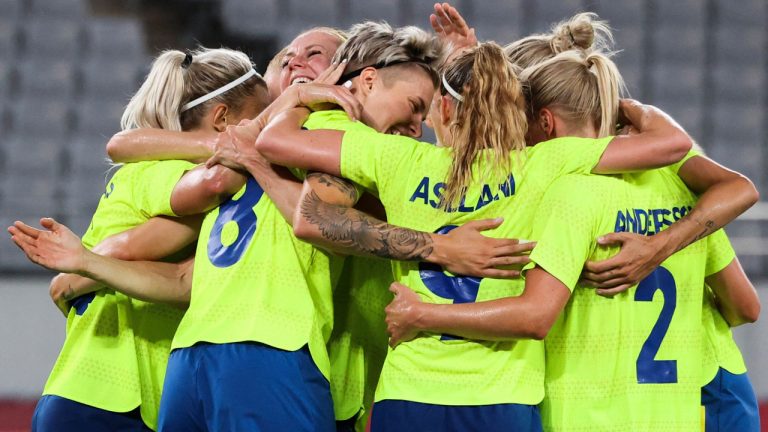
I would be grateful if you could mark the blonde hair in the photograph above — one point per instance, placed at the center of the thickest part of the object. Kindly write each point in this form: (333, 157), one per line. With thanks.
(272, 74)
(580, 86)
(333, 31)
(583, 31)
(377, 44)
(491, 116)
(174, 80)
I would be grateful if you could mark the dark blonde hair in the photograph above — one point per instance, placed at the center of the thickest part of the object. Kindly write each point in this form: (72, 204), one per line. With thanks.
(377, 44)
(580, 86)
(583, 31)
(174, 80)
(491, 116)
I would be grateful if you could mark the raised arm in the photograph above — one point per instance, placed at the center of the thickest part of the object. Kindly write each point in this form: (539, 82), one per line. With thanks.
(724, 195)
(659, 141)
(529, 316)
(57, 248)
(325, 217)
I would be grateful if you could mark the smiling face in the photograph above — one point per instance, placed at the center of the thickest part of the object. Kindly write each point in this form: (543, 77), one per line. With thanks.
(306, 57)
(395, 102)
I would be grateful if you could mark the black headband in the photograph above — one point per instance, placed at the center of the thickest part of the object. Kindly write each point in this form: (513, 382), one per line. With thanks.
(380, 65)
(187, 61)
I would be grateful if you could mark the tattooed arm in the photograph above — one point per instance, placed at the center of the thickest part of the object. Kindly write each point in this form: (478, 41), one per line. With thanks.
(325, 217)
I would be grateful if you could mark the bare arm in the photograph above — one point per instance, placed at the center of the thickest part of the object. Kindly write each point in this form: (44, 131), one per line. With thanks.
(136, 145)
(725, 194)
(57, 248)
(660, 141)
(735, 295)
(325, 217)
(529, 316)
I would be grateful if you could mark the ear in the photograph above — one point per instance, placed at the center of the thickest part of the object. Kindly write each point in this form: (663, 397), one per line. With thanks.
(547, 121)
(219, 117)
(366, 80)
(446, 109)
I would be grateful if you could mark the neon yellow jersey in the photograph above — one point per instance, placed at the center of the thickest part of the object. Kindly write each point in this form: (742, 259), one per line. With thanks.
(720, 350)
(408, 177)
(632, 362)
(358, 343)
(100, 364)
(255, 281)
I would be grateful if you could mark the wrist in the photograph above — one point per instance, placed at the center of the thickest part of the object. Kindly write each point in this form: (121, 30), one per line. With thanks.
(438, 255)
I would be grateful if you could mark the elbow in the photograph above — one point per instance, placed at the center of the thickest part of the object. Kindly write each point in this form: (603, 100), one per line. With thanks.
(752, 195)
(539, 332)
(752, 313)
(302, 229)
(115, 144)
(217, 181)
(679, 145)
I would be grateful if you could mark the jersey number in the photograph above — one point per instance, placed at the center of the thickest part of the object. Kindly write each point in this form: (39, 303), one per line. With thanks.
(460, 289)
(650, 371)
(241, 212)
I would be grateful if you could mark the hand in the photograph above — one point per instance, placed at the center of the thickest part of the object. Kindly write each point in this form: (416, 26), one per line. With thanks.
(451, 28)
(333, 74)
(61, 293)
(55, 248)
(235, 146)
(467, 252)
(402, 314)
(317, 96)
(638, 257)
(631, 113)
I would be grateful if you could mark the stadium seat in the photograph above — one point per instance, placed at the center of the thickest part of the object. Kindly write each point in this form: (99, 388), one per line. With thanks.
(87, 155)
(752, 13)
(735, 44)
(492, 16)
(64, 9)
(27, 193)
(12, 9)
(47, 79)
(739, 83)
(251, 18)
(40, 117)
(375, 10)
(52, 39)
(31, 154)
(679, 44)
(9, 40)
(99, 119)
(621, 14)
(321, 13)
(120, 39)
(12, 259)
(6, 76)
(110, 79)
(687, 13)
(548, 12)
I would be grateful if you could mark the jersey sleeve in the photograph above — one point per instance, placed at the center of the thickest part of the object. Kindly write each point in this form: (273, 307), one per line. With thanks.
(372, 159)
(720, 253)
(565, 229)
(676, 166)
(575, 155)
(153, 193)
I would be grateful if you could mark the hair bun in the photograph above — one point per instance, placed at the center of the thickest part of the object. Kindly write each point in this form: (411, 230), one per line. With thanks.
(583, 31)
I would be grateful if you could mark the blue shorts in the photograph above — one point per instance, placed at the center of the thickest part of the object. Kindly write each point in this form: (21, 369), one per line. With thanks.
(400, 416)
(244, 386)
(730, 404)
(57, 414)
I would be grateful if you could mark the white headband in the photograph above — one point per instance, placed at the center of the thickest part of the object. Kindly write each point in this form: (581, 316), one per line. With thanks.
(219, 90)
(450, 90)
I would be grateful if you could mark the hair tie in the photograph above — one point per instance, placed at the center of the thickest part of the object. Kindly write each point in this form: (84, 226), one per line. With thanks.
(570, 34)
(450, 89)
(187, 61)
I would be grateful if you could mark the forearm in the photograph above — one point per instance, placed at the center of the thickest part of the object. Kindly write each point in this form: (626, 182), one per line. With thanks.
(346, 230)
(136, 145)
(736, 297)
(68, 286)
(144, 280)
(503, 319)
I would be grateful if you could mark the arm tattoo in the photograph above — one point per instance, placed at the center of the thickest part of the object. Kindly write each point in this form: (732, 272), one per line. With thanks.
(356, 232)
(330, 181)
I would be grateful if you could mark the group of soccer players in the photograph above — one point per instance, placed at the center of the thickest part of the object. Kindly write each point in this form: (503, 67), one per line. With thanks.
(502, 316)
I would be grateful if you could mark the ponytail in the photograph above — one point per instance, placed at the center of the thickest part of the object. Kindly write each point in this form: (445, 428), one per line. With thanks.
(177, 78)
(158, 101)
(491, 116)
(581, 87)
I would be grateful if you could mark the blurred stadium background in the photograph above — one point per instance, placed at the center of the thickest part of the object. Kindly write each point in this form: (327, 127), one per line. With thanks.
(67, 68)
